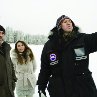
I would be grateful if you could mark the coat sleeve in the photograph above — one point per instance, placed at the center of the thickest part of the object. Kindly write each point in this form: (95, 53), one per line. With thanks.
(34, 65)
(14, 63)
(13, 71)
(44, 70)
(91, 42)
(13, 76)
(2, 70)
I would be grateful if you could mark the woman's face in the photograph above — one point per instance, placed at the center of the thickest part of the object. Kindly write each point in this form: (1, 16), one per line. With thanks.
(20, 47)
(66, 25)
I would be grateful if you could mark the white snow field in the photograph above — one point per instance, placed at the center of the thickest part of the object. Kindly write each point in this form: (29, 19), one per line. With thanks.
(37, 49)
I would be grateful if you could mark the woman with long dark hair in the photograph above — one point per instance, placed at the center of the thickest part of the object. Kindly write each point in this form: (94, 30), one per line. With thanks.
(25, 66)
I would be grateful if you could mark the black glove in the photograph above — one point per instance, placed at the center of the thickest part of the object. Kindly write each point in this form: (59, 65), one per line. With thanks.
(42, 93)
(41, 90)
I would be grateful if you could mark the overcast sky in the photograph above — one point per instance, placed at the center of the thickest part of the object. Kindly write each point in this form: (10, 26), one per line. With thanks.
(39, 16)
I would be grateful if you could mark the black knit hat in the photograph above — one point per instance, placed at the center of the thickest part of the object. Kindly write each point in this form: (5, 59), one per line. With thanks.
(2, 29)
(60, 19)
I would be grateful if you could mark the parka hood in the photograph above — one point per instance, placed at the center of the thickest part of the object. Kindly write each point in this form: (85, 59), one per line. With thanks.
(58, 34)
(14, 54)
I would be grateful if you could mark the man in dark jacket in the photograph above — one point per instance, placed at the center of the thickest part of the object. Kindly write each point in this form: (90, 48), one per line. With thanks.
(7, 74)
(65, 62)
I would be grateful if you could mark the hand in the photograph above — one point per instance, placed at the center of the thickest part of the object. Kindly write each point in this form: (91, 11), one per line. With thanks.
(42, 93)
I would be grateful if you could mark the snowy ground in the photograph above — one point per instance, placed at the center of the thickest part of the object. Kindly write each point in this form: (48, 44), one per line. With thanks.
(37, 49)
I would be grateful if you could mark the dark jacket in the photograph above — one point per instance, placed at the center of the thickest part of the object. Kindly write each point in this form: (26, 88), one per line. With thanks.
(7, 74)
(65, 66)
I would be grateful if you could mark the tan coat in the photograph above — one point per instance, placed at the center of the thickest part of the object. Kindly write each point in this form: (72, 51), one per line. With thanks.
(24, 72)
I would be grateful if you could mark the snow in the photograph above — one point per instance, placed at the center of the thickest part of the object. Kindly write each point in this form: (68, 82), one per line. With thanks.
(37, 49)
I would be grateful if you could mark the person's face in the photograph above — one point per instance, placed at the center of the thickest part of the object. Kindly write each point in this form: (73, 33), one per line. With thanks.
(66, 25)
(2, 36)
(20, 47)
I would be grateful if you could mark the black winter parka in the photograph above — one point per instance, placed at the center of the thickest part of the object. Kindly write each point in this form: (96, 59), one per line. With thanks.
(65, 66)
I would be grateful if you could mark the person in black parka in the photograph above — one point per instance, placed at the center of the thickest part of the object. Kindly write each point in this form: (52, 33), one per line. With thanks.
(65, 62)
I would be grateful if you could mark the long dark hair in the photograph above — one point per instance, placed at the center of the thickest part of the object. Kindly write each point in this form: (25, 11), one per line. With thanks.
(24, 54)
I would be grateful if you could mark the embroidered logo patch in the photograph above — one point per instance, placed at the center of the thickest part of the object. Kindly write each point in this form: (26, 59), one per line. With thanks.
(52, 57)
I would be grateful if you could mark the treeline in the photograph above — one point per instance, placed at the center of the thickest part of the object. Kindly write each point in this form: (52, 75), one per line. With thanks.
(12, 36)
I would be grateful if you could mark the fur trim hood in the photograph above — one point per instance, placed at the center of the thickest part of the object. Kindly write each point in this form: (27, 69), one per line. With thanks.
(14, 54)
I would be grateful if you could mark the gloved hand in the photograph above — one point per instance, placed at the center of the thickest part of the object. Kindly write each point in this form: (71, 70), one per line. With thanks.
(41, 91)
